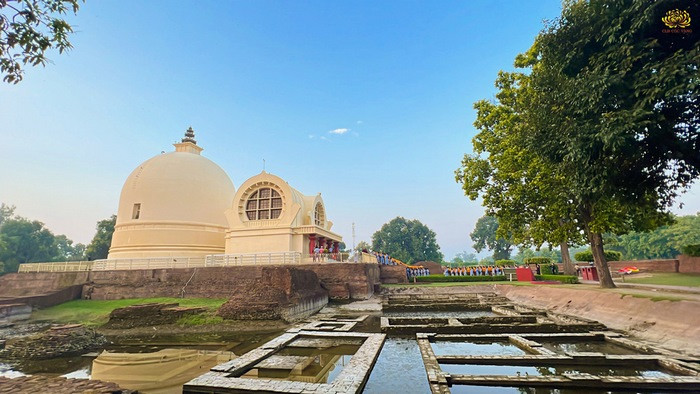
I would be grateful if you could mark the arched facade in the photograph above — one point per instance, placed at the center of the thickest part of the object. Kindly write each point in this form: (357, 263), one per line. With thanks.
(268, 215)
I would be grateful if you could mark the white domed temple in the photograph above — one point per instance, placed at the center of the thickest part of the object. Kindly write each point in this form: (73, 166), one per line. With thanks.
(182, 205)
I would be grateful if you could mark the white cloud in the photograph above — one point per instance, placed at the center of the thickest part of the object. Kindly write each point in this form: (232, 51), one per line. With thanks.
(360, 122)
(311, 136)
(339, 131)
(323, 137)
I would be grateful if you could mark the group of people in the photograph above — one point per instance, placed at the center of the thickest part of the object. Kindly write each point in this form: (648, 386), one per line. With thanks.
(474, 271)
(385, 259)
(413, 272)
(321, 253)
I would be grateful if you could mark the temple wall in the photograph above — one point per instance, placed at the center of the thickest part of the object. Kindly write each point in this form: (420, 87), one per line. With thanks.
(342, 280)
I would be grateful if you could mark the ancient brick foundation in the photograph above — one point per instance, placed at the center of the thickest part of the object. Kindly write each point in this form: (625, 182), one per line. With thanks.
(283, 293)
(688, 264)
(342, 280)
(393, 274)
(433, 267)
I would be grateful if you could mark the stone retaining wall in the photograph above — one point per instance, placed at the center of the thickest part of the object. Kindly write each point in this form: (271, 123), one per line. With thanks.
(13, 312)
(33, 283)
(51, 298)
(392, 274)
(688, 264)
(661, 265)
(342, 280)
(682, 263)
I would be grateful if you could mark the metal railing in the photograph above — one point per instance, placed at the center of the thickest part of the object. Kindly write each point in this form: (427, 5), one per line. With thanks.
(329, 258)
(276, 258)
(59, 266)
(216, 260)
(145, 263)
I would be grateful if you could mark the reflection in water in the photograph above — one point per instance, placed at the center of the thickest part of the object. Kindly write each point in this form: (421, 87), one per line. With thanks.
(399, 369)
(164, 371)
(476, 348)
(304, 364)
(7, 371)
(473, 369)
(597, 347)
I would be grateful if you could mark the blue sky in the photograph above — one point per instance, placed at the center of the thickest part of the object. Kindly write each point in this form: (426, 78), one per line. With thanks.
(268, 80)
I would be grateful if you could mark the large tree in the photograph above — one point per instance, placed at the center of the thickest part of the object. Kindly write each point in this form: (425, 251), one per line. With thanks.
(99, 246)
(407, 240)
(485, 235)
(610, 107)
(29, 28)
(25, 241)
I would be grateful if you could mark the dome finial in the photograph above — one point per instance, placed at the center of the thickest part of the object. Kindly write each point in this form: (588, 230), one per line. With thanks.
(189, 136)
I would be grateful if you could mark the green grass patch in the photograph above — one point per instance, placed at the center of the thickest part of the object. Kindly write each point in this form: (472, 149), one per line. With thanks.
(200, 319)
(654, 298)
(571, 279)
(667, 279)
(96, 312)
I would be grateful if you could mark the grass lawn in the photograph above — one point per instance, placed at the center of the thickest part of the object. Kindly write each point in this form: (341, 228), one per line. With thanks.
(663, 278)
(95, 312)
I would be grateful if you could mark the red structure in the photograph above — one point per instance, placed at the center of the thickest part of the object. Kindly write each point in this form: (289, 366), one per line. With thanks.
(524, 274)
(589, 273)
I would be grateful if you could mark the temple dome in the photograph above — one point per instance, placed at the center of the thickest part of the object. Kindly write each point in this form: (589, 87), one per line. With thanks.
(173, 205)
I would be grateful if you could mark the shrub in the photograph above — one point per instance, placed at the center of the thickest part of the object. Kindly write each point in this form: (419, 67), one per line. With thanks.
(561, 278)
(691, 250)
(443, 278)
(587, 255)
(503, 263)
(537, 260)
(549, 269)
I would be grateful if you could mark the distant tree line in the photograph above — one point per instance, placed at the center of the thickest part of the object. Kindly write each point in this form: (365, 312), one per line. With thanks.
(664, 242)
(25, 241)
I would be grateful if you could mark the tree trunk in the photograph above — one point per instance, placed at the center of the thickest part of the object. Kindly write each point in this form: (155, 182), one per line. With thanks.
(569, 268)
(601, 264)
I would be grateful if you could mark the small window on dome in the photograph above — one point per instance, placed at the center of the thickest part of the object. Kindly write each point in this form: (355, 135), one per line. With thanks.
(137, 211)
(265, 203)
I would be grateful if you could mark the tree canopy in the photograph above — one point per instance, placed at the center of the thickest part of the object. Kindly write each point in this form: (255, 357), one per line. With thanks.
(407, 240)
(464, 259)
(29, 28)
(665, 242)
(99, 246)
(485, 235)
(599, 135)
(26, 241)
